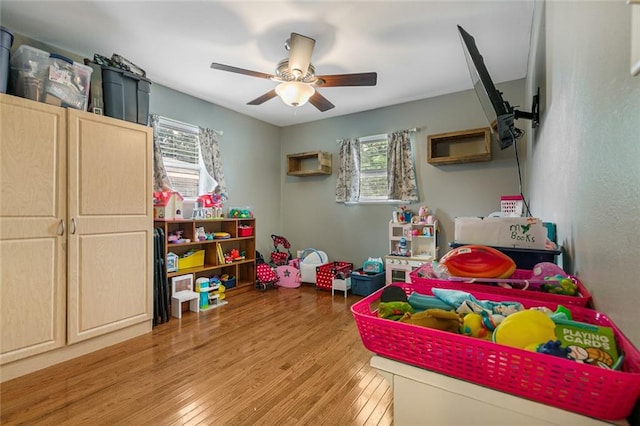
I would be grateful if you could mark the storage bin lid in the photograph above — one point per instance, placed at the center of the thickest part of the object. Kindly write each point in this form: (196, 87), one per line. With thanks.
(24, 53)
(109, 76)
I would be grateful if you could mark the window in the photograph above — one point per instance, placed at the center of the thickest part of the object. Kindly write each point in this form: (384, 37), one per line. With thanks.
(377, 169)
(374, 183)
(180, 146)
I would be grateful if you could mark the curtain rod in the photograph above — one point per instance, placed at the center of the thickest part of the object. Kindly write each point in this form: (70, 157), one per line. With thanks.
(414, 129)
(182, 123)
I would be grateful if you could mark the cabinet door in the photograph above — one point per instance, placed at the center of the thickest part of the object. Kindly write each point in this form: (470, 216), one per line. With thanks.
(32, 235)
(110, 272)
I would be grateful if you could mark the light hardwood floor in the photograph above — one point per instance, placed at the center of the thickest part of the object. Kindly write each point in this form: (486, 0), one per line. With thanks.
(279, 357)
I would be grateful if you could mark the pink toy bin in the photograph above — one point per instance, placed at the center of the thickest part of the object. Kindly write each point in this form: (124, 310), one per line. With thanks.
(566, 384)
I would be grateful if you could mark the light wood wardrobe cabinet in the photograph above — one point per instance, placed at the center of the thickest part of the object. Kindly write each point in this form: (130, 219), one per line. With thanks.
(76, 224)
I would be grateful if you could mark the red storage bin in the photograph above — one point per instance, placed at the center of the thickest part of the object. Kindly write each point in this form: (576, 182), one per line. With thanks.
(245, 231)
(522, 277)
(566, 384)
(325, 273)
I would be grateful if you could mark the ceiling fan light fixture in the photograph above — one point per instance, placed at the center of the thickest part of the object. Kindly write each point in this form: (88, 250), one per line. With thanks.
(294, 93)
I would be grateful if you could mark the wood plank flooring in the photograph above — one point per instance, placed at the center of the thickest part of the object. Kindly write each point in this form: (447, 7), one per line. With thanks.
(283, 356)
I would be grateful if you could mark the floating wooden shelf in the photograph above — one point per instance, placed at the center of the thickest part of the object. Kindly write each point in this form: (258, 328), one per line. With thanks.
(464, 146)
(311, 163)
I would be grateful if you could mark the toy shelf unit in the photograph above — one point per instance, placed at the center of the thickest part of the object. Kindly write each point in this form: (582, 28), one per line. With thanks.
(410, 246)
(228, 250)
(420, 239)
(464, 146)
(312, 163)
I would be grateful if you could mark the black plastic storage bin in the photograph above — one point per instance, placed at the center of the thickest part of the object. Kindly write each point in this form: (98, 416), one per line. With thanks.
(126, 95)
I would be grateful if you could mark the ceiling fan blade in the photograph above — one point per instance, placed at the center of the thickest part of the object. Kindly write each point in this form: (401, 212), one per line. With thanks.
(320, 102)
(358, 79)
(300, 50)
(237, 70)
(264, 98)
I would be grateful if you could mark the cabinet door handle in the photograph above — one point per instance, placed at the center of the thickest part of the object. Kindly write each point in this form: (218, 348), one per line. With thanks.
(61, 227)
(73, 226)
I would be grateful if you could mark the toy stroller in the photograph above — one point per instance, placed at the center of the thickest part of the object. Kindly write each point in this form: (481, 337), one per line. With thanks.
(279, 258)
(277, 273)
(265, 277)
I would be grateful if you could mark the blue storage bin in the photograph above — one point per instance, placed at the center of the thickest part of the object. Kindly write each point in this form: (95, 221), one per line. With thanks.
(230, 283)
(363, 284)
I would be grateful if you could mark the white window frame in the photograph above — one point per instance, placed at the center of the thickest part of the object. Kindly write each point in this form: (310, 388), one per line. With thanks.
(185, 170)
(380, 199)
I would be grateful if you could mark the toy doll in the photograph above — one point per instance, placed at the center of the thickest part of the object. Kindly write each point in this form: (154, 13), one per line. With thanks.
(218, 200)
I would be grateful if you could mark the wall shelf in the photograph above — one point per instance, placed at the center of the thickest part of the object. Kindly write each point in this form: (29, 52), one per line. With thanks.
(312, 163)
(464, 146)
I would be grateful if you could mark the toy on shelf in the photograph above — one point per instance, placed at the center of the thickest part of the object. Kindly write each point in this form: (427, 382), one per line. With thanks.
(168, 205)
(402, 248)
(405, 214)
(240, 213)
(233, 256)
(201, 235)
(218, 198)
(198, 210)
(423, 213)
(176, 237)
(172, 262)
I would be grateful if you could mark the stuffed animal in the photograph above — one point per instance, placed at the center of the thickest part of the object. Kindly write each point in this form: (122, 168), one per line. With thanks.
(435, 318)
(393, 310)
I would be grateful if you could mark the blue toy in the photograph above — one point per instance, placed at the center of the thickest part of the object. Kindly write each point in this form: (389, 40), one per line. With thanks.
(553, 347)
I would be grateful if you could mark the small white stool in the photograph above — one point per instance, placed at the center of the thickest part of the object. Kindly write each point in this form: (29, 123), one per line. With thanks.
(341, 284)
(184, 296)
(182, 291)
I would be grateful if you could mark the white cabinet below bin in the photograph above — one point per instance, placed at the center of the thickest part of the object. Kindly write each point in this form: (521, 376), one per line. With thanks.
(420, 394)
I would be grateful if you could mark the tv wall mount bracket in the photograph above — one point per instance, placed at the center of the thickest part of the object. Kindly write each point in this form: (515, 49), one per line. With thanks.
(534, 115)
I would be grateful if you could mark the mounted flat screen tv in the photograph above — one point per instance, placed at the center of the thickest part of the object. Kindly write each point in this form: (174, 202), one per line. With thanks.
(500, 114)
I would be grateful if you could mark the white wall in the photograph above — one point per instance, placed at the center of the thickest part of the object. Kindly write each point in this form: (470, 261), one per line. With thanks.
(584, 167)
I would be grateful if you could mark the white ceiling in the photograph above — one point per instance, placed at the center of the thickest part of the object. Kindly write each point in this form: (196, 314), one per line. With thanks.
(413, 46)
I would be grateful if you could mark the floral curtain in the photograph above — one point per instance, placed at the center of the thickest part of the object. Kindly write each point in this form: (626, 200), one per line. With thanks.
(210, 154)
(402, 174)
(160, 178)
(348, 183)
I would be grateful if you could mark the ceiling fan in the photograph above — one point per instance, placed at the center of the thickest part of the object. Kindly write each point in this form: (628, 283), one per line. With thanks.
(296, 75)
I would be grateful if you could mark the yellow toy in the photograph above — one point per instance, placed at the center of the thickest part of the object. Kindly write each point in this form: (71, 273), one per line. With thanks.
(473, 326)
(525, 330)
